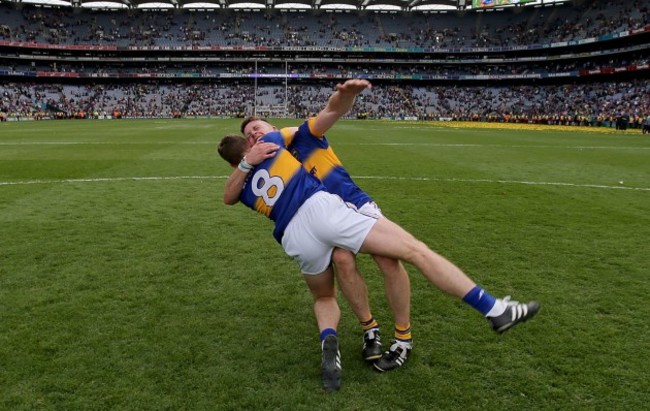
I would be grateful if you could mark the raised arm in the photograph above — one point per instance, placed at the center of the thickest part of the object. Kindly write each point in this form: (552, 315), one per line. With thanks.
(338, 104)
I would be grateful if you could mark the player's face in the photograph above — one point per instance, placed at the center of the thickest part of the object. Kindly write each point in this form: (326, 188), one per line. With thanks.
(256, 129)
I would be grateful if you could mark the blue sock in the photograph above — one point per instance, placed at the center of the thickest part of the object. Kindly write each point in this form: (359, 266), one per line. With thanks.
(326, 332)
(480, 300)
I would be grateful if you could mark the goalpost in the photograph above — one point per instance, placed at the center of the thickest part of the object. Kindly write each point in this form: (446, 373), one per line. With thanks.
(273, 110)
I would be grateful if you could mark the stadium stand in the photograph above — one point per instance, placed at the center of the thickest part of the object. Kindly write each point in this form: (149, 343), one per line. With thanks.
(582, 63)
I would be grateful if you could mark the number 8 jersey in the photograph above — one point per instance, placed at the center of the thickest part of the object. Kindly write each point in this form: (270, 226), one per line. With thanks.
(278, 186)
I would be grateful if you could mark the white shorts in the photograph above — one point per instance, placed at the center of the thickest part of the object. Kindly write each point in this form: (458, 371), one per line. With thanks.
(323, 222)
(372, 209)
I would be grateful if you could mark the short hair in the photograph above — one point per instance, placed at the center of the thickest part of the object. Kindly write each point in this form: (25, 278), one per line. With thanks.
(251, 119)
(232, 149)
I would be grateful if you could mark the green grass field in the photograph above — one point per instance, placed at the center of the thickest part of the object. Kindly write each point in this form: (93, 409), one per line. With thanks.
(126, 284)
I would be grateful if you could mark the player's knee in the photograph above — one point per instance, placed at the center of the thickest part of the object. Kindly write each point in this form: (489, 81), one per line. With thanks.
(344, 260)
(388, 266)
(323, 292)
(417, 252)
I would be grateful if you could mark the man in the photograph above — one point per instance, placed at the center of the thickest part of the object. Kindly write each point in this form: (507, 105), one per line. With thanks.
(310, 223)
(308, 144)
(321, 286)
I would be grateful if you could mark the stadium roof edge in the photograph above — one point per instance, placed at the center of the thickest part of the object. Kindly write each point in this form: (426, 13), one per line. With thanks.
(370, 5)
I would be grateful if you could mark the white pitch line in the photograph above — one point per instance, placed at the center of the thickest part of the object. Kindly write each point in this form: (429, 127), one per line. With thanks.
(101, 143)
(531, 183)
(497, 146)
(392, 178)
(450, 145)
(105, 180)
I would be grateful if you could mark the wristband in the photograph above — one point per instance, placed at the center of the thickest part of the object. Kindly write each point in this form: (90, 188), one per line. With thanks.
(244, 166)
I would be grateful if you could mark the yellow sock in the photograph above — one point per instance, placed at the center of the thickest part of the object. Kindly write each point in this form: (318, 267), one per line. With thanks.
(369, 325)
(403, 333)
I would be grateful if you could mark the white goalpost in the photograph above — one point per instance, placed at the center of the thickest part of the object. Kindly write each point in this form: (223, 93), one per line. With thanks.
(279, 110)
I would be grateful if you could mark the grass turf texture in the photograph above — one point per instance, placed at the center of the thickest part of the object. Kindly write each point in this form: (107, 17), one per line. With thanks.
(126, 284)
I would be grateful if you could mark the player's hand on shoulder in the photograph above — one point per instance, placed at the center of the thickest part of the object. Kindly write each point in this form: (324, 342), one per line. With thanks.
(260, 152)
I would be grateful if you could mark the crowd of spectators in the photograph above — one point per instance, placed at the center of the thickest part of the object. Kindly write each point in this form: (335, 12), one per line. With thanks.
(225, 88)
(579, 104)
(271, 28)
(590, 19)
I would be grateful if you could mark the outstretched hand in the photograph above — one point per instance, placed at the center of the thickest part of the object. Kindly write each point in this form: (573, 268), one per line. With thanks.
(353, 86)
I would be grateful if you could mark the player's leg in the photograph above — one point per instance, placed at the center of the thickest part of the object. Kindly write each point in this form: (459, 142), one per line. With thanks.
(390, 240)
(398, 292)
(323, 291)
(328, 315)
(351, 283)
(355, 291)
(380, 236)
(398, 288)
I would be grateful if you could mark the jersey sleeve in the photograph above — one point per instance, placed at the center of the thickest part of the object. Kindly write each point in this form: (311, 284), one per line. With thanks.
(310, 122)
(287, 135)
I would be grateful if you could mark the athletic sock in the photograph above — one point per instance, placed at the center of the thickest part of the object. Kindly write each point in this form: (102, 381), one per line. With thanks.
(403, 335)
(498, 309)
(326, 332)
(481, 300)
(369, 325)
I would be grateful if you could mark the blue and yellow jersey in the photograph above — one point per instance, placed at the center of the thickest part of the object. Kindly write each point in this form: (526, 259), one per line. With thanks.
(318, 158)
(278, 186)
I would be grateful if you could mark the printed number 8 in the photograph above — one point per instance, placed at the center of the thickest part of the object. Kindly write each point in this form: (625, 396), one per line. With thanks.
(266, 190)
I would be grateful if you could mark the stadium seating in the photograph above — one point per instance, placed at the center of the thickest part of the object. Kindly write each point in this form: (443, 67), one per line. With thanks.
(531, 64)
